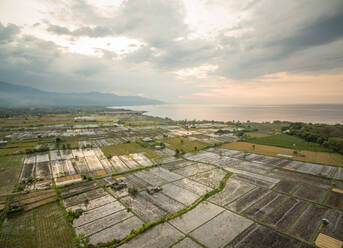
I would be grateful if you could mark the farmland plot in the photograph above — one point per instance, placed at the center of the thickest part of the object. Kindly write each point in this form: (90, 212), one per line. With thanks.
(265, 206)
(66, 154)
(328, 171)
(210, 178)
(29, 167)
(129, 162)
(261, 237)
(103, 223)
(137, 182)
(10, 169)
(141, 159)
(247, 200)
(57, 168)
(339, 173)
(160, 236)
(42, 227)
(308, 223)
(84, 198)
(162, 201)
(311, 193)
(233, 189)
(286, 186)
(117, 232)
(313, 169)
(55, 155)
(80, 165)
(286, 214)
(43, 170)
(143, 208)
(182, 195)
(42, 157)
(252, 178)
(171, 166)
(99, 153)
(150, 177)
(335, 199)
(335, 226)
(94, 163)
(68, 168)
(89, 204)
(88, 152)
(228, 162)
(118, 164)
(77, 153)
(165, 174)
(250, 167)
(107, 165)
(224, 228)
(192, 186)
(196, 217)
(187, 242)
(193, 169)
(97, 213)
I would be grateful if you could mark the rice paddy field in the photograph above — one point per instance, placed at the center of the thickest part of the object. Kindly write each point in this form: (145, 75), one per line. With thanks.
(288, 141)
(125, 149)
(183, 144)
(107, 188)
(10, 169)
(326, 158)
(43, 227)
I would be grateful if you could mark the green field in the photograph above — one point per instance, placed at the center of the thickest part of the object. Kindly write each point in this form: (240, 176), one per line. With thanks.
(288, 141)
(125, 149)
(10, 168)
(42, 227)
(184, 144)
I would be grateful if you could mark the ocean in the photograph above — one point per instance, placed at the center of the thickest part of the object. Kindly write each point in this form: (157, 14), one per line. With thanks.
(315, 113)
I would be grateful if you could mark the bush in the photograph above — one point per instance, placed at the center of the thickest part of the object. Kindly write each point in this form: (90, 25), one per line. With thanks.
(133, 191)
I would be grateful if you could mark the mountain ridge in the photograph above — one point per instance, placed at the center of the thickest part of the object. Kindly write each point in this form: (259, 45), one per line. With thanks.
(13, 95)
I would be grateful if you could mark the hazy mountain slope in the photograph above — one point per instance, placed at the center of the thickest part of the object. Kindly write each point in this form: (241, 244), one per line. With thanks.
(12, 95)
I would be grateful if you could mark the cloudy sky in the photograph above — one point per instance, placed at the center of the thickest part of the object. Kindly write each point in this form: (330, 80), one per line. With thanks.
(190, 51)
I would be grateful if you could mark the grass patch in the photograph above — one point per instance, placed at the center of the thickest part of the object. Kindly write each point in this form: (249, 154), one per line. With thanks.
(10, 168)
(288, 141)
(255, 134)
(18, 147)
(183, 144)
(325, 158)
(125, 149)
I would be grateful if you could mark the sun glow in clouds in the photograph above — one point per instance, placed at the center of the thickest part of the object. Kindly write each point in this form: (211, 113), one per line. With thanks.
(94, 46)
(199, 72)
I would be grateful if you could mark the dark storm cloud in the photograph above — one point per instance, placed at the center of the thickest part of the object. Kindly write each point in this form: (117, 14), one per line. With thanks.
(288, 42)
(324, 30)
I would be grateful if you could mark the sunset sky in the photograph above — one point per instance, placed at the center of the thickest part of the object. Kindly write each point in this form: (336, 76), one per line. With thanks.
(190, 51)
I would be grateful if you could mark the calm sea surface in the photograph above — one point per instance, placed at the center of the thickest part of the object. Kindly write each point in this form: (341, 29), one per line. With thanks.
(332, 113)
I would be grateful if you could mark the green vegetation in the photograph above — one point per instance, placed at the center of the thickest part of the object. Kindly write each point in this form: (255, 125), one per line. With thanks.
(329, 136)
(133, 191)
(41, 227)
(184, 145)
(288, 141)
(125, 149)
(10, 168)
(73, 215)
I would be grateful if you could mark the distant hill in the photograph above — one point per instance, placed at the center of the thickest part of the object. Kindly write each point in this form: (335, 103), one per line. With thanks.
(12, 95)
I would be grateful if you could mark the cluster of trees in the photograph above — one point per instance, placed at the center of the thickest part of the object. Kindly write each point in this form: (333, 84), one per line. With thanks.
(330, 136)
